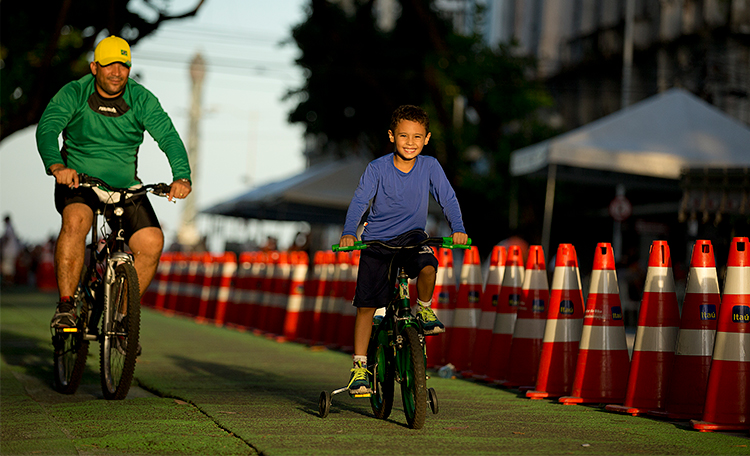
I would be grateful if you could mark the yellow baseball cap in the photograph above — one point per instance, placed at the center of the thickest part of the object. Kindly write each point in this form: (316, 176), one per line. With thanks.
(112, 49)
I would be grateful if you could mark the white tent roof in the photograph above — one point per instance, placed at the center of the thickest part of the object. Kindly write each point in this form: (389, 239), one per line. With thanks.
(656, 137)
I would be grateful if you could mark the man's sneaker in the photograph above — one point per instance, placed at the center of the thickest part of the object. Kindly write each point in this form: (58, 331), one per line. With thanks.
(65, 315)
(430, 322)
(358, 382)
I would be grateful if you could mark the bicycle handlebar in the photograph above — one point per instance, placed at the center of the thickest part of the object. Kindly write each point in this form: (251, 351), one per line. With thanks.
(161, 189)
(443, 242)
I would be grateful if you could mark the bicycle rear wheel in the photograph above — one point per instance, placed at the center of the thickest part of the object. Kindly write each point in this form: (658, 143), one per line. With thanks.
(119, 345)
(71, 349)
(382, 382)
(410, 362)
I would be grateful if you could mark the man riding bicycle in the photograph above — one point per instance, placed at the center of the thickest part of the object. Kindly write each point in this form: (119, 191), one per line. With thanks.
(102, 117)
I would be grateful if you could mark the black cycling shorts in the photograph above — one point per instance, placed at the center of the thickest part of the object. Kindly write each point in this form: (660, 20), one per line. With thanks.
(373, 284)
(138, 210)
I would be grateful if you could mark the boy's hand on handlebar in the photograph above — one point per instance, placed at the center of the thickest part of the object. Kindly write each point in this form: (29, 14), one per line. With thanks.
(347, 240)
(179, 189)
(460, 238)
(64, 175)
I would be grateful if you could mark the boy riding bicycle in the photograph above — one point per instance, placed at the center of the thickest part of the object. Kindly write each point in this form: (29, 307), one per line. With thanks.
(399, 186)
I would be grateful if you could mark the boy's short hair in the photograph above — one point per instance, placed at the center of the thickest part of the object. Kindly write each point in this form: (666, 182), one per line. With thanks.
(410, 112)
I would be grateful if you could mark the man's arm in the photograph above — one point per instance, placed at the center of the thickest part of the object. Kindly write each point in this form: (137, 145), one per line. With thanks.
(55, 118)
(160, 127)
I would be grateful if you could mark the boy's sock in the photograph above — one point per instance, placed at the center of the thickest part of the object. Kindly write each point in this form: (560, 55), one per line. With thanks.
(423, 303)
(359, 361)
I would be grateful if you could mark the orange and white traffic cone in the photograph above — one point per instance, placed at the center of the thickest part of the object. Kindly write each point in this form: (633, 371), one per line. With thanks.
(311, 289)
(267, 295)
(328, 263)
(280, 295)
(241, 292)
(658, 324)
(466, 314)
(562, 331)
(528, 335)
(348, 313)
(695, 340)
(227, 269)
(443, 303)
(295, 296)
(603, 359)
(255, 290)
(334, 305)
(488, 303)
(505, 319)
(727, 406)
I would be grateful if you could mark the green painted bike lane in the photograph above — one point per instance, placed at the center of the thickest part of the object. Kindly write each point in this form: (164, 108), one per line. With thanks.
(208, 390)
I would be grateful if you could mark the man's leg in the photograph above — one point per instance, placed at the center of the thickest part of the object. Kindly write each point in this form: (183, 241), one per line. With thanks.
(71, 246)
(146, 245)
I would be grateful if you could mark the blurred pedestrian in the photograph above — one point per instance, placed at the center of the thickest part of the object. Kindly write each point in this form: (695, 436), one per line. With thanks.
(11, 247)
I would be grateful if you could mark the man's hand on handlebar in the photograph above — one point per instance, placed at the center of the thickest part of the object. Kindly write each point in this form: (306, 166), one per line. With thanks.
(460, 238)
(347, 241)
(179, 189)
(64, 175)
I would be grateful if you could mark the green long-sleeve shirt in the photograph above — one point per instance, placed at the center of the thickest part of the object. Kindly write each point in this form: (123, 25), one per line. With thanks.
(101, 135)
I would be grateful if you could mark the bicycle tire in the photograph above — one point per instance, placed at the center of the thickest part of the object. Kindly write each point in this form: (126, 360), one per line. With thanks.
(413, 380)
(119, 344)
(382, 382)
(71, 349)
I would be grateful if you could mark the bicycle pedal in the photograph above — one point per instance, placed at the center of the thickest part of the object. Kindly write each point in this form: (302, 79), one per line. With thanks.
(361, 395)
(69, 330)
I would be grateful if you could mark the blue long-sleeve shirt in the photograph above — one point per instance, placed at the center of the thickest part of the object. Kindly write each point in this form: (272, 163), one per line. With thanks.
(400, 200)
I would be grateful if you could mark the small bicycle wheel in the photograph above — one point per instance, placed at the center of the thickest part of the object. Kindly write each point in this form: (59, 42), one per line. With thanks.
(433, 400)
(119, 345)
(410, 362)
(324, 404)
(382, 382)
(71, 349)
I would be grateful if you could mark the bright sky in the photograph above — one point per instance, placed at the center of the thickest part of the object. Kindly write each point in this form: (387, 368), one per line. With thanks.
(245, 140)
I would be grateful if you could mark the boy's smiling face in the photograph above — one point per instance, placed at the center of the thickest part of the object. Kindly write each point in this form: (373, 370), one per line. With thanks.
(410, 137)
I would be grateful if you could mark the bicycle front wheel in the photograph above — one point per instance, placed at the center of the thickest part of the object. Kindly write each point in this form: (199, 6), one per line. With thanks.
(71, 349)
(410, 362)
(119, 345)
(382, 380)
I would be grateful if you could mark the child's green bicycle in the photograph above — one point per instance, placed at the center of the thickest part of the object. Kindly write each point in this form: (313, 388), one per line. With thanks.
(397, 348)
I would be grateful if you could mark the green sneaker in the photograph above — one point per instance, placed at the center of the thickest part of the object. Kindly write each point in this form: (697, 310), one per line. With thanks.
(430, 322)
(358, 382)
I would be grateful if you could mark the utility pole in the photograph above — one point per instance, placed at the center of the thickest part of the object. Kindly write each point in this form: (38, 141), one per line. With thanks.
(188, 235)
(627, 54)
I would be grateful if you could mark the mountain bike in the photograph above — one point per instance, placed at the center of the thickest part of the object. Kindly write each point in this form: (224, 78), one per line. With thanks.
(107, 290)
(396, 353)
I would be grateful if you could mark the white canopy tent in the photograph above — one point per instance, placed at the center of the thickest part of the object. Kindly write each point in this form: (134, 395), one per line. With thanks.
(657, 137)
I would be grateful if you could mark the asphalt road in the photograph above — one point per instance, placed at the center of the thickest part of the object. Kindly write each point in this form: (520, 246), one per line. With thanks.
(203, 390)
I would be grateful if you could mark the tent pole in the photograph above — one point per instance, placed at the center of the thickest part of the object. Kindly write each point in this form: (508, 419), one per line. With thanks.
(548, 204)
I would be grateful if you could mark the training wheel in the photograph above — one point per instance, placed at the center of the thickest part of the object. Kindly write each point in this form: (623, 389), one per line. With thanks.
(324, 404)
(432, 400)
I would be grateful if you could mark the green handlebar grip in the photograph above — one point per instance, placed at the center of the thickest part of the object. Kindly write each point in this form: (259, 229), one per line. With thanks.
(448, 244)
(358, 245)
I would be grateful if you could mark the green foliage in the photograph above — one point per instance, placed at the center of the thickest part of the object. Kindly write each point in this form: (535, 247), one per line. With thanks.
(43, 48)
(357, 74)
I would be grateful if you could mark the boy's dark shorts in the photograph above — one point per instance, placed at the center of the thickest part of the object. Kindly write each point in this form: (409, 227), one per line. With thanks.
(373, 285)
(138, 210)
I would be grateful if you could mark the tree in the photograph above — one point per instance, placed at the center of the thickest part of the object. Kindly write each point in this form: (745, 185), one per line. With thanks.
(43, 48)
(481, 103)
